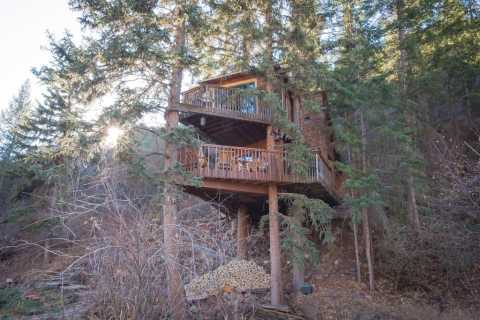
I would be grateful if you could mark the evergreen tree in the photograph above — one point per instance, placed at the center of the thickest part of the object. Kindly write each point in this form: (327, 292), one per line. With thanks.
(54, 128)
(13, 136)
(230, 43)
(139, 56)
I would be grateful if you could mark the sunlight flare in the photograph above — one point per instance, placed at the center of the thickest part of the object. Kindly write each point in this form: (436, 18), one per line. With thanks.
(112, 136)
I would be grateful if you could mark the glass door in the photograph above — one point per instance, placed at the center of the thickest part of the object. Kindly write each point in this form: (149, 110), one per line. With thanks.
(248, 102)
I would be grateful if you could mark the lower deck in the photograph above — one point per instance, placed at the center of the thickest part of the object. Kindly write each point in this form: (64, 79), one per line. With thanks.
(255, 165)
(249, 171)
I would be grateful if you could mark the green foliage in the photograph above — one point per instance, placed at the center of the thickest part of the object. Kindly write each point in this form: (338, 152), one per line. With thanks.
(13, 303)
(304, 215)
(14, 140)
(19, 215)
(298, 152)
(182, 136)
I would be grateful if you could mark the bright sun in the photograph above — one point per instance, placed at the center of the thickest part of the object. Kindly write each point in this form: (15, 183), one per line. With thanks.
(113, 135)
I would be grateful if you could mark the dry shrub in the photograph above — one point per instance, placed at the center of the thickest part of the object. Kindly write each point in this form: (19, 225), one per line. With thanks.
(406, 311)
(128, 264)
(437, 259)
(107, 225)
(444, 257)
(118, 223)
(422, 312)
(129, 273)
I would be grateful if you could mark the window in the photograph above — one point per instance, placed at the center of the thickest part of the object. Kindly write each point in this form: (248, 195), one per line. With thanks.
(248, 102)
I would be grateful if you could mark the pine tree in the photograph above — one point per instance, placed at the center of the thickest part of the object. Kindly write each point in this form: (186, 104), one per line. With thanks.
(13, 137)
(54, 127)
(357, 109)
(230, 43)
(139, 57)
(176, 294)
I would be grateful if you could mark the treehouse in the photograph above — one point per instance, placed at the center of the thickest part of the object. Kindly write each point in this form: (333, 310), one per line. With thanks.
(244, 152)
(245, 161)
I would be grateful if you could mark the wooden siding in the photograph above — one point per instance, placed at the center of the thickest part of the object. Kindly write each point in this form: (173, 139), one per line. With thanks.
(253, 164)
(317, 130)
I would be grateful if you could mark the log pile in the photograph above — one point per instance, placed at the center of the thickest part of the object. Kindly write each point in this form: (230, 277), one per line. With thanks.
(239, 275)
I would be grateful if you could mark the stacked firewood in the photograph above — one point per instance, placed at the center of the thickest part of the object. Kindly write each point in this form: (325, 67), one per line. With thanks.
(238, 275)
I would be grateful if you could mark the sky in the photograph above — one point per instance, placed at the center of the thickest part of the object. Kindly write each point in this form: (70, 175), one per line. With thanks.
(23, 33)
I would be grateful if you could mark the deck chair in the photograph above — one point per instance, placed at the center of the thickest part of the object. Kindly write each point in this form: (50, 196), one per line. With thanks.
(225, 160)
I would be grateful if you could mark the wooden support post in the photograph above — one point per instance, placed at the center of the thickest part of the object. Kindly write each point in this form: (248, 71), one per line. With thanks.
(242, 232)
(275, 263)
(274, 228)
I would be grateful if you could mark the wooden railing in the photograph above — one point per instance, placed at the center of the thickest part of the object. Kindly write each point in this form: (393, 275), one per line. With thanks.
(229, 102)
(238, 163)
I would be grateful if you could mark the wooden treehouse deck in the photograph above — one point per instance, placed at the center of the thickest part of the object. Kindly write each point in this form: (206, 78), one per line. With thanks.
(224, 102)
(254, 165)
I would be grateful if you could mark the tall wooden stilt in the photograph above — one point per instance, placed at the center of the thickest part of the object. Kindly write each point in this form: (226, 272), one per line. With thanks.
(274, 228)
(275, 264)
(242, 232)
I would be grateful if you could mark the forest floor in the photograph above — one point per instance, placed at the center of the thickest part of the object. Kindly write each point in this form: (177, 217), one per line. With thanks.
(338, 296)
(30, 289)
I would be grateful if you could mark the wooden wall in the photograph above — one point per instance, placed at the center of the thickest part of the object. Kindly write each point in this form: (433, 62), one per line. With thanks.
(317, 130)
(262, 144)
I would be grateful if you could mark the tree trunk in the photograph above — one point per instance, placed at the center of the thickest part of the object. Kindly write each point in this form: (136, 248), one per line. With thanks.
(412, 204)
(412, 208)
(365, 220)
(358, 269)
(176, 293)
(298, 262)
(274, 225)
(348, 24)
(269, 41)
(246, 38)
(46, 253)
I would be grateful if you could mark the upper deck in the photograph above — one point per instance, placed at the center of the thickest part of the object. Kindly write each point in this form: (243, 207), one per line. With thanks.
(224, 102)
